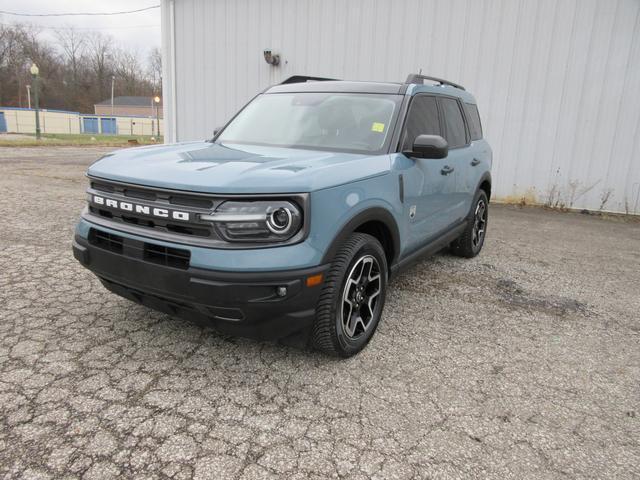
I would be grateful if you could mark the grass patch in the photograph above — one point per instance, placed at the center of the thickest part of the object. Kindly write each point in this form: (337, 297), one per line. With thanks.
(53, 139)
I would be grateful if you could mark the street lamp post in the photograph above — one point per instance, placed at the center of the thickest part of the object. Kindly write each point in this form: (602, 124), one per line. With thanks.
(113, 84)
(156, 100)
(34, 76)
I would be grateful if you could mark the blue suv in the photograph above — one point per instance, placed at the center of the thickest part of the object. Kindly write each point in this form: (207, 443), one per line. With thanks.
(289, 223)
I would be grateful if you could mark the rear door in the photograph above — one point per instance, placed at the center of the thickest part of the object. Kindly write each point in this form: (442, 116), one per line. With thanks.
(459, 159)
(427, 186)
(479, 149)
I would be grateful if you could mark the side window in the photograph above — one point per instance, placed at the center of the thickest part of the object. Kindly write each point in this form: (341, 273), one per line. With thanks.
(421, 120)
(454, 132)
(473, 117)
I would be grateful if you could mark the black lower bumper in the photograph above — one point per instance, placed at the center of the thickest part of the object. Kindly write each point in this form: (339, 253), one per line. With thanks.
(244, 304)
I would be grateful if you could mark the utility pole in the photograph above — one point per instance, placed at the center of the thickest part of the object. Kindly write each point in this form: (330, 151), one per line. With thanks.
(34, 75)
(113, 83)
(29, 96)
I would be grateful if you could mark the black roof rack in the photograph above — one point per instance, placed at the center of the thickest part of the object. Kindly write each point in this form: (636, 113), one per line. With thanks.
(304, 78)
(419, 79)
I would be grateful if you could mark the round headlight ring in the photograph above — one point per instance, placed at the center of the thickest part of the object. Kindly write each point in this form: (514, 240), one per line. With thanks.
(275, 221)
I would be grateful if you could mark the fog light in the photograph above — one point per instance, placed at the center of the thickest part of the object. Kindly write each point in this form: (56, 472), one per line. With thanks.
(281, 291)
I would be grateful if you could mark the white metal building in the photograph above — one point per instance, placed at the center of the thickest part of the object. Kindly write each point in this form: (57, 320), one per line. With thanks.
(557, 81)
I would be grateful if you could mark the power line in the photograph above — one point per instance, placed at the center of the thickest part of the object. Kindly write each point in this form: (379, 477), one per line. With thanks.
(117, 27)
(19, 14)
(103, 28)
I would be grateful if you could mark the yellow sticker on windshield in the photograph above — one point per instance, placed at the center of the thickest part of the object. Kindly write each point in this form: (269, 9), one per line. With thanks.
(377, 127)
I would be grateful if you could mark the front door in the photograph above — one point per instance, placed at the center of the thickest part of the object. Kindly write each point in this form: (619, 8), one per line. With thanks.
(428, 183)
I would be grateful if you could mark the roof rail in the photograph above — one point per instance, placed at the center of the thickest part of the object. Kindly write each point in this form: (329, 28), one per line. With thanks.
(304, 78)
(419, 79)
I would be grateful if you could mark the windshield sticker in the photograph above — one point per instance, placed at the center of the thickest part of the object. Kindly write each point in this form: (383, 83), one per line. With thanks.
(377, 127)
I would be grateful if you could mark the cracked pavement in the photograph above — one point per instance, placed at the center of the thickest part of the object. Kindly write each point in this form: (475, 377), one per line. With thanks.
(521, 363)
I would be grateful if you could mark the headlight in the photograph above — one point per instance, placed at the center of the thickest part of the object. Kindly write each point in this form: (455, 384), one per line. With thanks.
(256, 221)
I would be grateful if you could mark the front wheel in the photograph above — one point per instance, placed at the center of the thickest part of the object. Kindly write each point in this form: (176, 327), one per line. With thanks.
(471, 241)
(352, 298)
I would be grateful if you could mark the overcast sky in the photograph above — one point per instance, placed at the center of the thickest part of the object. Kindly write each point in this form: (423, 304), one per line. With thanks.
(140, 31)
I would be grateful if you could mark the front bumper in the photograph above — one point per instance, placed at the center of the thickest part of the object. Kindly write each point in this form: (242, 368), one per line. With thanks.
(236, 303)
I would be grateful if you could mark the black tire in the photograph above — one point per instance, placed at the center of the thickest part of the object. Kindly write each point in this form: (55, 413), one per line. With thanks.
(471, 241)
(329, 334)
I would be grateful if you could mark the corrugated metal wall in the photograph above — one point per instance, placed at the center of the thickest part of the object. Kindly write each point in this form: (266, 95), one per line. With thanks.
(557, 81)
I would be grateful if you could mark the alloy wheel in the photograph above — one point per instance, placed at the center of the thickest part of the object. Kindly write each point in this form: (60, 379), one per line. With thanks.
(479, 224)
(360, 296)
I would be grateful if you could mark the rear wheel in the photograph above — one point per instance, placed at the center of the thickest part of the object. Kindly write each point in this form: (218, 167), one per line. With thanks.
(352, 298)
(471, 241)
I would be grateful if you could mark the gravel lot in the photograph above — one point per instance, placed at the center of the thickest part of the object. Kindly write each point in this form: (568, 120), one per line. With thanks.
(521, 363)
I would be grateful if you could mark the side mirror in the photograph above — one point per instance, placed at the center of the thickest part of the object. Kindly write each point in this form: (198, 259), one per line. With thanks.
(216, 131)
(429, 146)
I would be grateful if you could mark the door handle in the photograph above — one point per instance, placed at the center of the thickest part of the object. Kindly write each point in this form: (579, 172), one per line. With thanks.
(446, 170)
(475, 162)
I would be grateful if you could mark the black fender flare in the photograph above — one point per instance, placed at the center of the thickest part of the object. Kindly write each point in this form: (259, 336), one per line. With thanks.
(379, 214)
(486, 177)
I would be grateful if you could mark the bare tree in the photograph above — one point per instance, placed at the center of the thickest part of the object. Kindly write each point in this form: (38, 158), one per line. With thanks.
(73, 44)
(100, 55)
(129, 72)
(155, 69)
(11, 59)
(75, 70)
(45, 56)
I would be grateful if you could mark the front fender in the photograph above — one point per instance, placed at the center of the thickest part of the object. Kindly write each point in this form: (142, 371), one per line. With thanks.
(373, 213)
(336, 212)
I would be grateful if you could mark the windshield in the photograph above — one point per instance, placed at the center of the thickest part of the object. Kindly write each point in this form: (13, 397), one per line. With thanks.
(325, 121)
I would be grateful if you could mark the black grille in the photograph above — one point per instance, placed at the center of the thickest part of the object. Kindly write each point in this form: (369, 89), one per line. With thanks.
(103, 187)
(106, 241)
(141, 194)
(195, 204)
(189, 230)
(136, 220)
(167, 256)
(153, 195)
(149, 252)
(102, 213)
(191, 201)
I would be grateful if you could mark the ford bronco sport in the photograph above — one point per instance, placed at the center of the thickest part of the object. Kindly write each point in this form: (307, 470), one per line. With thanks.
(290, 221)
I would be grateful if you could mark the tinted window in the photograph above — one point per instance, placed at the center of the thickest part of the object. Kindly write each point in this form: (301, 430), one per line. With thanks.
(422, 120)
(473, 117)
(454, 124)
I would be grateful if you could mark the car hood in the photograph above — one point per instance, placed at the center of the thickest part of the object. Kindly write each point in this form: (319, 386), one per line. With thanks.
(216, 168)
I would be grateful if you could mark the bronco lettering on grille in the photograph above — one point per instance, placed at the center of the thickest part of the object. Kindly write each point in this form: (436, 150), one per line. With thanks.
(141, 209)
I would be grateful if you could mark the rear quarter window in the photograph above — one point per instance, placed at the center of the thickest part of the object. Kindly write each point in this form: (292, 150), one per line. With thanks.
(473, 118)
